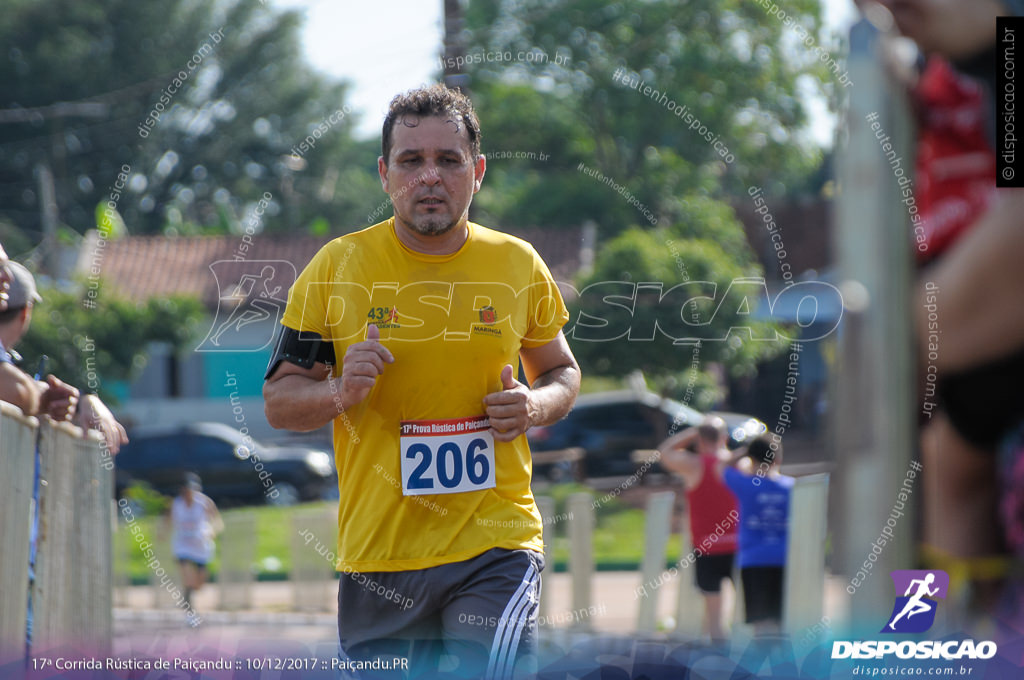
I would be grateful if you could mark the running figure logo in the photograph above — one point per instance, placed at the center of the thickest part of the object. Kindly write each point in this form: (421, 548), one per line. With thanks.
(914, 611)
(251, 298)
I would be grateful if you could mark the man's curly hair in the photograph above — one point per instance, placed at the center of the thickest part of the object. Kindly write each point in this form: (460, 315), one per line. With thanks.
(435, 100)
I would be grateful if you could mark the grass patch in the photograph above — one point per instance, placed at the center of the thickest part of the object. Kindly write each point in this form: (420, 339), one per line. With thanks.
(618, 536)
(272, 538)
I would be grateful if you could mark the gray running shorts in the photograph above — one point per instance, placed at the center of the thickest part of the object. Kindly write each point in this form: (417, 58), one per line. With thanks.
(474, 619)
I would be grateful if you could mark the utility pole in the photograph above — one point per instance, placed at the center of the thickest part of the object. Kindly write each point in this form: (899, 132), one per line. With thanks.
(874, 384)
(453, 47)
(49, 213)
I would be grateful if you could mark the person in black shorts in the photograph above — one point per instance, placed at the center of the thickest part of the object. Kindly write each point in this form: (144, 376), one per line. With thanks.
(763, 494)
(712, 510)
(195, 522)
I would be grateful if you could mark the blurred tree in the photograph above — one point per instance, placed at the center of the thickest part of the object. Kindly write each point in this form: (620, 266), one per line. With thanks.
(655, 168)
(105, 343)
(82, 78)
(694, 289)
(741, 73)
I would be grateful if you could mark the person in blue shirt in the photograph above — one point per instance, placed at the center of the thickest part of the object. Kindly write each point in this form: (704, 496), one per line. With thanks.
(763, 495)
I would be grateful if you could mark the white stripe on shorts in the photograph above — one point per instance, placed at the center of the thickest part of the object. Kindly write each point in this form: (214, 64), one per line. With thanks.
(506, 636)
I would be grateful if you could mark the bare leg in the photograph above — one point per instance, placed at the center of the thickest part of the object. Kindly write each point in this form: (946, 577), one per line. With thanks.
(188, 580)
(200, 578)
(961, 493)
(713, 616)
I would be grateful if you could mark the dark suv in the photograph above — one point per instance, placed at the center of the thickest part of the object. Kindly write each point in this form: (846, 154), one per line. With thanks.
(610, 426)
(233, 468)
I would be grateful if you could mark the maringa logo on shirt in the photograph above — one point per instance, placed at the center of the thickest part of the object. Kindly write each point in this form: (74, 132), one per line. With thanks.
(387, 317)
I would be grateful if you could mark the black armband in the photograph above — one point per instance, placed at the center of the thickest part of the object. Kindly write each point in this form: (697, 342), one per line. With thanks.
(302, 348)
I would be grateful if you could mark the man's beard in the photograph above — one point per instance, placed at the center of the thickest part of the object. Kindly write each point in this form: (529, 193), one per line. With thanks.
(431, 226)
(428, 225)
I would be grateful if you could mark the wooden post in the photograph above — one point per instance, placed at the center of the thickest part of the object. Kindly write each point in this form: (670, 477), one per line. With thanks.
(873, 423)
(17, 460)
(656, 533)
(689, 606)
(122, 558)
(804, 593)
(312, 575)
(237, 550)
(546, 507)
(71, 594)
(164, 567)
(581, 555)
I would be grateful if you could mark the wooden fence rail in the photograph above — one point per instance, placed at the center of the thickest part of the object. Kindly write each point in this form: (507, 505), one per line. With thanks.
(72, 590)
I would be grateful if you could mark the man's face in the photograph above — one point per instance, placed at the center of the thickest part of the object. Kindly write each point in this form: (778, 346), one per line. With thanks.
(23, 322)
(431, 175)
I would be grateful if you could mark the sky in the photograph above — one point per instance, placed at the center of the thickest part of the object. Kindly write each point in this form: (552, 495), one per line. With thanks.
(349, 45)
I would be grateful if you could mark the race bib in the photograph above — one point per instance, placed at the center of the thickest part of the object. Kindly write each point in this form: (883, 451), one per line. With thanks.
(446, 456)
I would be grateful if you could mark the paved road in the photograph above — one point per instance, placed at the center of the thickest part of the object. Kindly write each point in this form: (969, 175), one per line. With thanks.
(613, 611)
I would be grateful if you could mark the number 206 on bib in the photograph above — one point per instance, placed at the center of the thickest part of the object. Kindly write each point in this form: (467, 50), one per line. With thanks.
(446, 456)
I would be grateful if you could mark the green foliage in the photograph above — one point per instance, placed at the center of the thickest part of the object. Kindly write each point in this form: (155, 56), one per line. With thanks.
(560, 494)
(713, 298)
(592, 383)
(105, 343)
(739, 71)
(223, 138)
(697, 387)
(150, 502)
(618, 536)
(272, 539)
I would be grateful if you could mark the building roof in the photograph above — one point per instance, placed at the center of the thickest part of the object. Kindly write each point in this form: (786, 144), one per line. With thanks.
(805, 229)
(144, 267)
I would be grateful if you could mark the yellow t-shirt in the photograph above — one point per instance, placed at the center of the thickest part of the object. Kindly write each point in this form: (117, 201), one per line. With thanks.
(452, 322)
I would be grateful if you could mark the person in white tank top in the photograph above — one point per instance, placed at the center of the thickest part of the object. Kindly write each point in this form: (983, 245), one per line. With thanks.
(195, 521)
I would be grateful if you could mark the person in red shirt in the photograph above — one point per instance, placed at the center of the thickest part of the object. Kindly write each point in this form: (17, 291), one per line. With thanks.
(969, 332)
(712, 509)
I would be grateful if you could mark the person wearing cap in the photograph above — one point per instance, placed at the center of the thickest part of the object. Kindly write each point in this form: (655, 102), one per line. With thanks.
(52, 397)
(196, 522)
(5, 279)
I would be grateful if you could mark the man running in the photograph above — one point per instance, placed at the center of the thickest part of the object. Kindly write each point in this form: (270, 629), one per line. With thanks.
(405, 335)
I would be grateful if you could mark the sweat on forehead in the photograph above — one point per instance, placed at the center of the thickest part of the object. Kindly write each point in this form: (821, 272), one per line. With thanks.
(434, 101)
(412, 120)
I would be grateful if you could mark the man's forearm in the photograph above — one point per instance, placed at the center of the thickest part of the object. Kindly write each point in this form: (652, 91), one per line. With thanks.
(680, 440)
(19, 389)
(553, 394)
(302, 404)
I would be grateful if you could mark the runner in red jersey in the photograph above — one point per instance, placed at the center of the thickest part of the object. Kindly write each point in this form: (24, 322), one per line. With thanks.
(712, 509)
